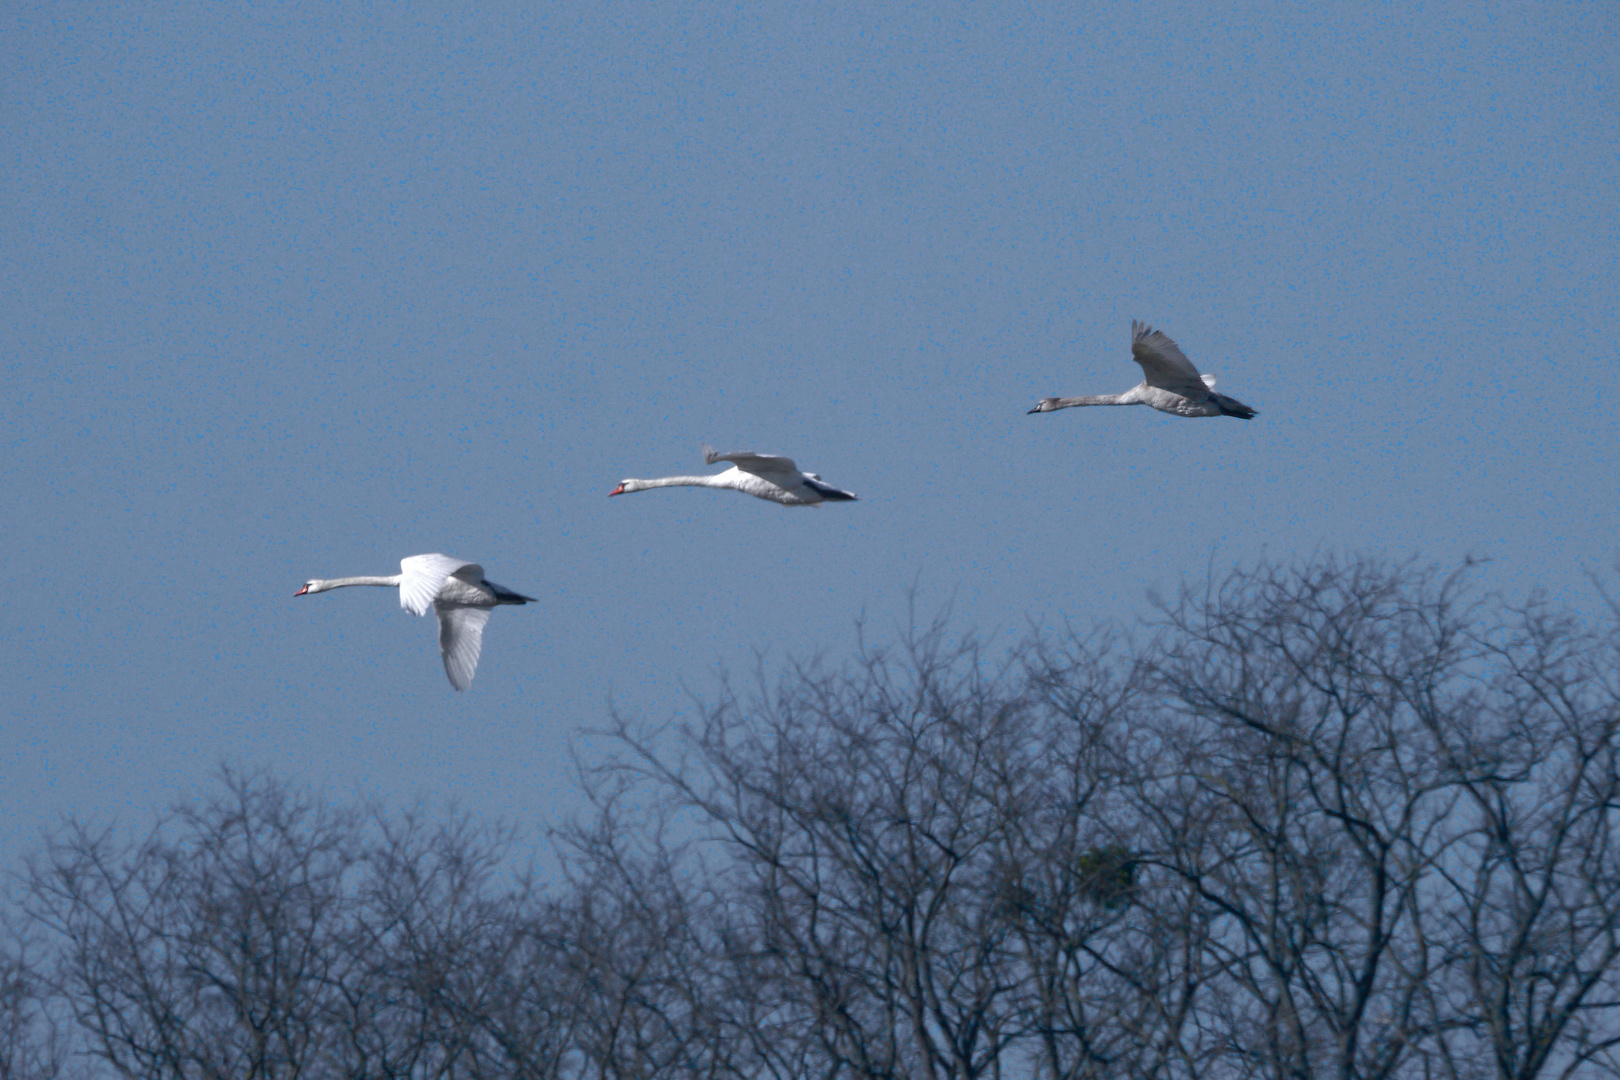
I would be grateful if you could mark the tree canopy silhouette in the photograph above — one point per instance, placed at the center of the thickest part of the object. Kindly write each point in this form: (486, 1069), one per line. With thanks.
(1343, 818)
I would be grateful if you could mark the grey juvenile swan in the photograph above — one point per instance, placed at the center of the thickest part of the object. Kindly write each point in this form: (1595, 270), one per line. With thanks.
(1170, 384)
(456, 589)
(764, 476)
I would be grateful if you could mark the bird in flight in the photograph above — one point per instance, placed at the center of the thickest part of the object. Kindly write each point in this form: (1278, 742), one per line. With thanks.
(764, 476)
(1170, 383)
(456, 589)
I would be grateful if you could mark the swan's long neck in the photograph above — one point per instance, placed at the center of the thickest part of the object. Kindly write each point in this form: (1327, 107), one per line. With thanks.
(712, 480)
(1094, 399)
(385, 580)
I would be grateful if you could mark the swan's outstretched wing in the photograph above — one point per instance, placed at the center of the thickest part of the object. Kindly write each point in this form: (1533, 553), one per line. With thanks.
(461, 639)
(1163, 363)
(422, 576)
(748, 461)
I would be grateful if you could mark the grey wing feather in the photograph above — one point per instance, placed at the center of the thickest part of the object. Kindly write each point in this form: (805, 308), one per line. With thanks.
(461, 639)
(1163, 363)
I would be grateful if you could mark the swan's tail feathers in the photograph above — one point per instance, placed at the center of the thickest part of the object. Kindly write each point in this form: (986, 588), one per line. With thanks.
(827, 491)
(503, 595)
(1233, 407)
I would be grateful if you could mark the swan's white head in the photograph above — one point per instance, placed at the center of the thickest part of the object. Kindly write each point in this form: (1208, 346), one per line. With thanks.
(1046, 404)
(313, 585)
(627, 487)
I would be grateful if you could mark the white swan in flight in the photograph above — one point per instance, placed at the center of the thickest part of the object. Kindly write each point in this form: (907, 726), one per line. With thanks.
(764, 476)
(1170, 384)
(456, 589)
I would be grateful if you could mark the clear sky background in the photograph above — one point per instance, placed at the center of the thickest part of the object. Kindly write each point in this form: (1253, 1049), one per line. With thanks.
(295, 290)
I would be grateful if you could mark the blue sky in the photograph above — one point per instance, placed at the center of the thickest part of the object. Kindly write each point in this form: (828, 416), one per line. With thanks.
(296, 290)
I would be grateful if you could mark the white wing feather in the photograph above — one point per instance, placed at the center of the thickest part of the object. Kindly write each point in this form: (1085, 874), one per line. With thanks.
(748, 461)
(421, 578)
(461, 639)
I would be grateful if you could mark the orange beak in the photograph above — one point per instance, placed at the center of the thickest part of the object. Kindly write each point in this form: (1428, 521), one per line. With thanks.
(302, 591)
(616, 491)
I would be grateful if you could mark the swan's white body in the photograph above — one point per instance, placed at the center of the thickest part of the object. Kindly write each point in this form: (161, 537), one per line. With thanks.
(1170, 383)
(456, 589)
(764, 476)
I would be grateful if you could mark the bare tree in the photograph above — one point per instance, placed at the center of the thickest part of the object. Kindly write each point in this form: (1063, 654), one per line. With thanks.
(533, 1002)
(263, 933)
(1399, 805)
(1533, 923)
(1336, 819)
(206, 949)
(1110, 947)
(643, 937)
(897, 839)
(34, 1040)
(1309, 812)
(1339, 819)
(427, 940)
